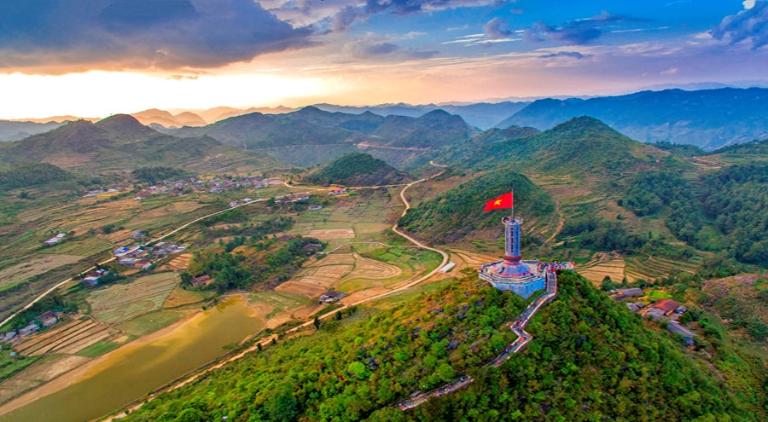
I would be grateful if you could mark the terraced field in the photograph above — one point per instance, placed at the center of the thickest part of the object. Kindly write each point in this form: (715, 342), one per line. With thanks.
(652, 267)
(122, 302)
(67, 338)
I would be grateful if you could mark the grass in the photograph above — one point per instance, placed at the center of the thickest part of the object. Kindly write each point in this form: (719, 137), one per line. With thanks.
(151, 322)
(97, 349)
(658, 295)
(11, 365)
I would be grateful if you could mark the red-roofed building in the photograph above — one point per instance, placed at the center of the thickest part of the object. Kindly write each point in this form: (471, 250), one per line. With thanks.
(667, 306)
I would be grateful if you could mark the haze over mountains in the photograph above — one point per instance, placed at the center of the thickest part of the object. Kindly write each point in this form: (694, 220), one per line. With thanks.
(708, 119)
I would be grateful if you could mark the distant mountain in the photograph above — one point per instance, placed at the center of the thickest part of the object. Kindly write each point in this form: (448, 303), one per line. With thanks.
(748, 148)
(437, 128)
(298, 136)
(706, 118)
(456, 213)
(13, 131)
(166, 119)
(120, 142)
(356, 169)
(480, 115)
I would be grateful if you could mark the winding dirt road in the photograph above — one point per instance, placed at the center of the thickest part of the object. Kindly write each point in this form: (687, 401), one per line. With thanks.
(268, 340)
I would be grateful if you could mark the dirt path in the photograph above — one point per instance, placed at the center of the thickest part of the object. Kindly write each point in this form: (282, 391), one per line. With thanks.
(560, 222)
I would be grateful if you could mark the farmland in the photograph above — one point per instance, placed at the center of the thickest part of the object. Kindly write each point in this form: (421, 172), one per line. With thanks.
(122, 302)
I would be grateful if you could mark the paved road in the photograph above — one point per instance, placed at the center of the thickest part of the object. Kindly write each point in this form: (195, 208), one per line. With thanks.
(523, 338)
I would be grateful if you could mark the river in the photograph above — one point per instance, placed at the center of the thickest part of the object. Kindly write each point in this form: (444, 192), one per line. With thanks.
(131, 372)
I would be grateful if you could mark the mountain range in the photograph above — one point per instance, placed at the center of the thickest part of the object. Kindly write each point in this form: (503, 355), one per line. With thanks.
(706, 118)
(120, 142)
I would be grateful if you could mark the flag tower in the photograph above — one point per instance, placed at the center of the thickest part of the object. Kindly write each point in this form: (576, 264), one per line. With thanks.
(512, 273)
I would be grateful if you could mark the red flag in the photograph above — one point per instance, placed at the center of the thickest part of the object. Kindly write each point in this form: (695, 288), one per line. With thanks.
(499, 202)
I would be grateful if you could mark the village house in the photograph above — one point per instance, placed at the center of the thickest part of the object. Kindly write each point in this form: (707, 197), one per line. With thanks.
(666, 306)
(93, 278)
(315, 207)
(677, 328)
(32, 327)
(55, 239)
(337, 191)
(48, 318)
(331, 296)
(202, 281)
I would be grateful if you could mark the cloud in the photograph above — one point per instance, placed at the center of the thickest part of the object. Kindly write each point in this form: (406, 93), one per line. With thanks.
(497, 28)
(567, 54)
(140, 34)
(749, 26)
(377, 48)
(579, 31)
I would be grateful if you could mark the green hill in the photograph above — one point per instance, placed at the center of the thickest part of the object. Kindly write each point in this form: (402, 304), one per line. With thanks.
(121, 143)
(458, 212)
(582, 145)
(356, 169)
(590, 359)
(26, 175)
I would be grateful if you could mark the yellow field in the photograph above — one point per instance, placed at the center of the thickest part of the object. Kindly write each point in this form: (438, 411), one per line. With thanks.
(331, 234)
(181, 262)
(604, 265)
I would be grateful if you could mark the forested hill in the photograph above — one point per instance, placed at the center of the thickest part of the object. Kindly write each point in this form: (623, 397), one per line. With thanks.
(457, 213)
(356, 169)
(580, 146)
(705, 118)
(590, 359)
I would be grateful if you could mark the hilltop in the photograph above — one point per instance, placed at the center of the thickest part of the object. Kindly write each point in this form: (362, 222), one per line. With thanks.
(590, 357)
(705, 118)
(164, 118)
(582, 145)
(457, 213)
(120, 142)
(356, 169)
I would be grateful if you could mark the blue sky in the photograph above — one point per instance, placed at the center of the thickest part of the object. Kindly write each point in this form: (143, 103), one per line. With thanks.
(370, 51)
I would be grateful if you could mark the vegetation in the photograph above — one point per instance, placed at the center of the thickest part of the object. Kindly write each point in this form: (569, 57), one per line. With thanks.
(152, 175)
(11, 364)
(598, 234)
(724, 211)
(27, 175)
(356, 169)
(458, 212)
(246, 263)
(590, 358)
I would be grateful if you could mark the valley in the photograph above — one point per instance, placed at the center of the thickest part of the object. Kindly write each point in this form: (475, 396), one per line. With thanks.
(170, 269)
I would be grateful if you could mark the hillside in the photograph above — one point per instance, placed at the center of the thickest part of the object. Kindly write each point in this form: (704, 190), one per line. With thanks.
(706, 118)
(14, 131)
(581, 145)
(457, 213)
(590, 358)
(437, 128)
(356, 169)
(26, 175)
(120, 142)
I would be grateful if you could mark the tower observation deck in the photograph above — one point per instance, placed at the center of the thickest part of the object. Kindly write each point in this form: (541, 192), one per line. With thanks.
(513, 274)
